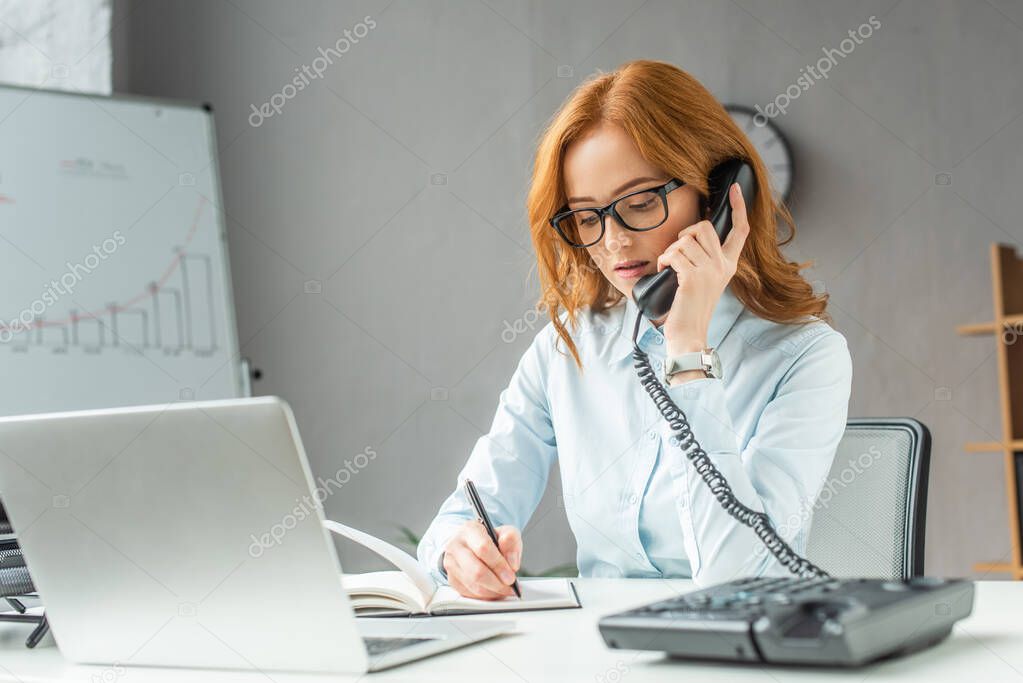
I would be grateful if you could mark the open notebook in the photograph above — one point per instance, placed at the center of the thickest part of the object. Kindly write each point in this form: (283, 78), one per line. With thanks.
(411, 590)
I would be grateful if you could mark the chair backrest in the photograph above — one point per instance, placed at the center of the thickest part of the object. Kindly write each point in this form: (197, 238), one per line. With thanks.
(870, 516)
(14, 578)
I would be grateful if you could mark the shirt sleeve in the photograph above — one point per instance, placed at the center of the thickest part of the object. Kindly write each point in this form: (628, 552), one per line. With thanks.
(780, 471)
(510, 464)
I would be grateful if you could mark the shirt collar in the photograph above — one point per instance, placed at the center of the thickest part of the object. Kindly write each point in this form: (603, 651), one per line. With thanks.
(725, 314)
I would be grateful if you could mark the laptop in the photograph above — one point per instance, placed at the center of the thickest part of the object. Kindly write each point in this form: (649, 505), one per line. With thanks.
(143, 531)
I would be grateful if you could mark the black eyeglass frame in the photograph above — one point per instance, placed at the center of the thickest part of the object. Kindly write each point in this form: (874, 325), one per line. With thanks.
(612, 210)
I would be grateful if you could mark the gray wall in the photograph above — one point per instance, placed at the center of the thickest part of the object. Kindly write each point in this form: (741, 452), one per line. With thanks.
(395, 185)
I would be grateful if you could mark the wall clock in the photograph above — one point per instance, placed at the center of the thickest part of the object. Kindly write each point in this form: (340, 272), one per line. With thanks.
(770, 143)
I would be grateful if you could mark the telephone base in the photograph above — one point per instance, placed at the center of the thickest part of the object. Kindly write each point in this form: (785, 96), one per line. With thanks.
(804, 621)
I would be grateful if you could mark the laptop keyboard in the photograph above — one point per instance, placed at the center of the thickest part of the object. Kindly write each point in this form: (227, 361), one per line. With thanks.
(379, 646)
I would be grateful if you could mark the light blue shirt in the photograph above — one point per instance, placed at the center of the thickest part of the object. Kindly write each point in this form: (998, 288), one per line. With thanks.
(635, 505)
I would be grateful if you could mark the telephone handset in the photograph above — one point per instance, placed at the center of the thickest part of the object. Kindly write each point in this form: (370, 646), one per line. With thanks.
(654, 293)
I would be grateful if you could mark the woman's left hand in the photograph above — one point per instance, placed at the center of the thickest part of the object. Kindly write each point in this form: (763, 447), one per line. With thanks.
(704, 266)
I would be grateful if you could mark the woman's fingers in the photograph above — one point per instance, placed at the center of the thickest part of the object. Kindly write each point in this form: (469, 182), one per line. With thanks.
(677, 261)
(698, 242)
(483, 547)
(740, 224)
(478, 568)
(684, 253)
(510, 540)
(471, 592)
(703, 249)
(470, 576)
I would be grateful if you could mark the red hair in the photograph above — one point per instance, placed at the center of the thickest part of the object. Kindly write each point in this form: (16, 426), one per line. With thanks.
(680, 127)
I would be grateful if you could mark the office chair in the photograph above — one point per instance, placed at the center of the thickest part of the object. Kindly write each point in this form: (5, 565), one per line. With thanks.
(869, 518)
(15, 583)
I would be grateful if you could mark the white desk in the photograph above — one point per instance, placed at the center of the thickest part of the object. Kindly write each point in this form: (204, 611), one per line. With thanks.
(565, 646)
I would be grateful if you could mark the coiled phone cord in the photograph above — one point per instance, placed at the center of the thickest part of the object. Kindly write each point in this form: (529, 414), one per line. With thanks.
(758, 521)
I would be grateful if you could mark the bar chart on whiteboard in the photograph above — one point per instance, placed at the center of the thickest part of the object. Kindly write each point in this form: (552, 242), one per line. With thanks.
(117, 288)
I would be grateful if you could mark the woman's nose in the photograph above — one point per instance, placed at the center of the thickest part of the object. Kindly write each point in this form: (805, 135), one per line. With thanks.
(615, 236)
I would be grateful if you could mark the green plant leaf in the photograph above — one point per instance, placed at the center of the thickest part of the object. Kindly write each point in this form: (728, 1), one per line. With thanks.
(408, 536)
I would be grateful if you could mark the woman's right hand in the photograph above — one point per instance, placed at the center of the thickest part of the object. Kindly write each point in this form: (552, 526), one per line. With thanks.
(475, 567)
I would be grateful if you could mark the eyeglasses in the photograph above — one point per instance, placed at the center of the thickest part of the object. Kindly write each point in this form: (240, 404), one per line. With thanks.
(637, 211)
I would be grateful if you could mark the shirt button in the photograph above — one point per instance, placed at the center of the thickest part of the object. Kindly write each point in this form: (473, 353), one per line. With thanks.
(633, 499)
(651, 435)
(658, 365)
(658, 340)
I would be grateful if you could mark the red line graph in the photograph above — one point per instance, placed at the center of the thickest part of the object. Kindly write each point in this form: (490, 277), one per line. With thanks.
(148, 293)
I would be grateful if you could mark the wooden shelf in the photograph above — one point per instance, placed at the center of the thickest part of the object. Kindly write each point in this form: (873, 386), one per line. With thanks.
(1007, 288)
(999, 568)
(993, 446)
(971, 329)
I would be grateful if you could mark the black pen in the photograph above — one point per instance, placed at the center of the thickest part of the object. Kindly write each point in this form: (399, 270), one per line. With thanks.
(484, 518)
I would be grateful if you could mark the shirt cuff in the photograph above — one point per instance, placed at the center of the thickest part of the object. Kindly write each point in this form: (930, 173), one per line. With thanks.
(440, 565)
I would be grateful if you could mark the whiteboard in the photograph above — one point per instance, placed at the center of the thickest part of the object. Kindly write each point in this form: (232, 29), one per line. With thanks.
(115, 282)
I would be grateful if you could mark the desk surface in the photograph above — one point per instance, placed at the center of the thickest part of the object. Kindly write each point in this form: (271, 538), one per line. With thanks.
(564, 645)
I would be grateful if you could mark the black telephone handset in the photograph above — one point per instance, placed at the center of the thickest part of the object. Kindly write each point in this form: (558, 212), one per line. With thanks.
(654, 294)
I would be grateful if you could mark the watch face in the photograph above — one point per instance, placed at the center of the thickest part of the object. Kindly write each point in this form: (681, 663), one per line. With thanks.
(771, 146)
(712, 364)
(715, 364)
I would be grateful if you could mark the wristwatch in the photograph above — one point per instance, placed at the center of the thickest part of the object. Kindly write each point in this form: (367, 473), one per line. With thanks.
(706, 360)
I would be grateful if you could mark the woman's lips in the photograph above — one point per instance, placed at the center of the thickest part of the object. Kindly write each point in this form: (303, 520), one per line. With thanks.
(630, 270)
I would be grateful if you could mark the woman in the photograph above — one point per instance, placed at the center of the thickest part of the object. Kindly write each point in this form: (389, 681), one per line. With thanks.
(770, 424)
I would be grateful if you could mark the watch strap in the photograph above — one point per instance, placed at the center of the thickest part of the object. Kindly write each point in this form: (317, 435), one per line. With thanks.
(693, 360)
